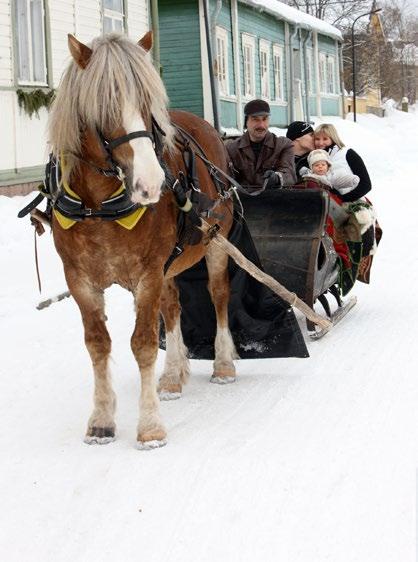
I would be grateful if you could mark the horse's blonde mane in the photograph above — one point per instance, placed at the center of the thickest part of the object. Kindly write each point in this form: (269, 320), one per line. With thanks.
(119, 74)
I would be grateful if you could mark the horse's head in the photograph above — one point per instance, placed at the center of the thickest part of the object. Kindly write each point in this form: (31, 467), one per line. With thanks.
(111, 94)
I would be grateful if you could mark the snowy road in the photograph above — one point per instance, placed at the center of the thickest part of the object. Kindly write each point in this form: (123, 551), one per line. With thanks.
(307, 460)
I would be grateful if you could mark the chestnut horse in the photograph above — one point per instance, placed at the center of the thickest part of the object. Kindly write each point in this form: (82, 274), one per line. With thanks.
(109, 102)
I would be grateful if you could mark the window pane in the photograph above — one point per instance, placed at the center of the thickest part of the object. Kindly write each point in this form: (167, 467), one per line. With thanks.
(22, 40)
(117, 25)
(277, 76)
(107, 25)
(36, 17)
(116, 5)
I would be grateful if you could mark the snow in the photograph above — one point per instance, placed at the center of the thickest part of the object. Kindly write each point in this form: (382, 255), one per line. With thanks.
(301, 460)
(292, 15)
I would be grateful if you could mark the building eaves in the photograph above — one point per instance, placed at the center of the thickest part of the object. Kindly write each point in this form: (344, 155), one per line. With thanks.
(292, 15)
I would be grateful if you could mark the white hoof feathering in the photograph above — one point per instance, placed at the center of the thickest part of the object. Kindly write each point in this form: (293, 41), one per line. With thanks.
(92, 440)
(222, 380)
(164, 395)
(149, 445)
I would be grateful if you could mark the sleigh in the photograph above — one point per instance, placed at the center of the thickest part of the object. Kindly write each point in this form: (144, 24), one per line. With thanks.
(288, 230)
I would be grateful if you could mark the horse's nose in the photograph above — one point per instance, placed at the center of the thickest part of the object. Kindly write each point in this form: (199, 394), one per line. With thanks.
(139, 187)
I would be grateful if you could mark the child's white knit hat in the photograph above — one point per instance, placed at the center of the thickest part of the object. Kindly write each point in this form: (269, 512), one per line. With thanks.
(318, 155)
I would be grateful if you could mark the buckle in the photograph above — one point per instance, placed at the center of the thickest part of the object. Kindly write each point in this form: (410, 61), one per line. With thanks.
(88, 212)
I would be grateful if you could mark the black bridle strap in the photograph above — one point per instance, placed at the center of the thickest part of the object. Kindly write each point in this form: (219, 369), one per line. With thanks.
(111, 145)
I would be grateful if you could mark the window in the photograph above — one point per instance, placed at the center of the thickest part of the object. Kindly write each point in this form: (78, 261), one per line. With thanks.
(265, 69)
(113, 16)
(248, 50)
(327, 73)
(222, 60)
(31, 61)
(278, 72)
(330, 75)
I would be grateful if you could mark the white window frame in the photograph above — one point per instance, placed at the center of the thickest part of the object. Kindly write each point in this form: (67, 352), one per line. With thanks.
(327, 74)
(222, 54)
(310, 67)
(24, 33)
(331, 89)
(113, 17)
(264, 51)
(248, 48)
(278, 70)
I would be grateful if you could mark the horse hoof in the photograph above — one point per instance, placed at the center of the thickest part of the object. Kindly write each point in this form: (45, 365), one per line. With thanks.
(93, 440)
(100, 435)
(216, 379)
(165, 395)
(149, 445)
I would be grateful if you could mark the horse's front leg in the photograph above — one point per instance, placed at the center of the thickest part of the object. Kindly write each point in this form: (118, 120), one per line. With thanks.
(176, 367)
(225, 353)
(101, 425)
(144, 342)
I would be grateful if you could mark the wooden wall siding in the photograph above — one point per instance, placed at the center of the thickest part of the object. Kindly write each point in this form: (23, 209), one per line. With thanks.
(62, 22)
(7, 105)
(326, 44)
(279, 116)
(6, 69)
(262, 26)
(180, 54)
(312, 105)
(88, 22)
(228, 113)
(138, 18)
(330, 106)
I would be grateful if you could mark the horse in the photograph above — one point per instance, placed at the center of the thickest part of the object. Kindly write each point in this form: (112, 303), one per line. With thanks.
(112, 133)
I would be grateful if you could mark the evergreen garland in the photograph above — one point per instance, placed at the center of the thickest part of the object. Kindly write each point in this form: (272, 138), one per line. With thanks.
(32, 101)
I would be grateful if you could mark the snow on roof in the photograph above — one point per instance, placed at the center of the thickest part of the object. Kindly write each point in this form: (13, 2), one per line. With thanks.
(293, 15)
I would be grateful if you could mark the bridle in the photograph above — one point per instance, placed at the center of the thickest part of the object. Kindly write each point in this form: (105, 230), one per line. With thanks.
(115, 207)
(108, 146)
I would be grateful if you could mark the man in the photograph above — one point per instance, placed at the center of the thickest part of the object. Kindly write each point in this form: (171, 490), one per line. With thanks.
(302, 135)
(260, 158)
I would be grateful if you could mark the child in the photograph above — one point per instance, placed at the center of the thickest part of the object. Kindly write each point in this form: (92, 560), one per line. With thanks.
(322, 170)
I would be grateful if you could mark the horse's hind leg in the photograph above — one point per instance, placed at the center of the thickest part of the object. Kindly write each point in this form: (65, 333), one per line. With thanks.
(223, 367)
(101, 425)
(176, 367)
(144, 343)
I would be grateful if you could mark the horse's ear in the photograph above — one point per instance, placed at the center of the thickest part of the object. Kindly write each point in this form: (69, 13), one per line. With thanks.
(146, 41)
(80, 52)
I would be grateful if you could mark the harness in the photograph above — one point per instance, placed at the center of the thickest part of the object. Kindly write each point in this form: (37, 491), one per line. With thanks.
(68, 208)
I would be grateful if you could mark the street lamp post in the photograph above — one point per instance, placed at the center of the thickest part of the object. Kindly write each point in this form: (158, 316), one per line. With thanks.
(353, 56)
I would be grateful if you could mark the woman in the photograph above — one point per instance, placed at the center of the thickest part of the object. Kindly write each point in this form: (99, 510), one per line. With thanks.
(327, 138)
(347, 160)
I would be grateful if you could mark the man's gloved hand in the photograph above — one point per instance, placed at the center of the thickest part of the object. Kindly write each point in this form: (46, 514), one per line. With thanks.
(271, 179)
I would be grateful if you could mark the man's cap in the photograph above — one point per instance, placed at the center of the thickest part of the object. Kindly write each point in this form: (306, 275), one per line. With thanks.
(298, 129)
(256, 108)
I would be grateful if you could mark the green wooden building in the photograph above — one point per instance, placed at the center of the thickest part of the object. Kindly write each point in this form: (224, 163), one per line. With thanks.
(257, 49)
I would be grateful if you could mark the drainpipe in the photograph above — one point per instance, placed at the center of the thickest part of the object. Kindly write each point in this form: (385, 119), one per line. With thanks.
(155, 35)
(292, 74)
(317, 76)
(211, 72)
(305, 70)
(213, 21)
(339, 47)
(237, 69)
